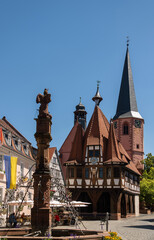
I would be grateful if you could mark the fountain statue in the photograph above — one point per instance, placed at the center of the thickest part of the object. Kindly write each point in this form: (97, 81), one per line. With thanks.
(41, 211)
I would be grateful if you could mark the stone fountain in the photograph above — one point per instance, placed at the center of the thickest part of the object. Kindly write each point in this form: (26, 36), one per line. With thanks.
(41, 212)
(41, 217)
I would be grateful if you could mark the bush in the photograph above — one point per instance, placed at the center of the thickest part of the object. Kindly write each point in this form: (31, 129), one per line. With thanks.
(113, 236)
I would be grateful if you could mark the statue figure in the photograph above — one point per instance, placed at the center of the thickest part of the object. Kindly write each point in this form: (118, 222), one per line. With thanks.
(44, 100)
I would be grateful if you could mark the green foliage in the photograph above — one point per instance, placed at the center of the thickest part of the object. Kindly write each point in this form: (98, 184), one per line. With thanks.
(147, 182)
(148, 162)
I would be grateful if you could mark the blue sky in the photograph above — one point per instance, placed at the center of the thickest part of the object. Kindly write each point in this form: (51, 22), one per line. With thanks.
(66, 46)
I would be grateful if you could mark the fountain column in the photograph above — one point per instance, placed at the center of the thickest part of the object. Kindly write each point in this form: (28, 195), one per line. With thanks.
(41, 211)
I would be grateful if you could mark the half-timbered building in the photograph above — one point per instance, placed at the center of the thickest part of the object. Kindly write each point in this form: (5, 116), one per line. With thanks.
(98, 168)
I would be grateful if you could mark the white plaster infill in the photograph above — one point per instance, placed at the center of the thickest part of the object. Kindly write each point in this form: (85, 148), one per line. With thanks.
(108, 181)
(71, 181)
(116, 181)
(87, 181)
(100, 182)
(79, 181)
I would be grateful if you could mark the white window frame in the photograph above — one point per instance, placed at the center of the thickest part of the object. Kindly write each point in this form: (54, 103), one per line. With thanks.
(1, 163)
(21, 169)
(1, 194)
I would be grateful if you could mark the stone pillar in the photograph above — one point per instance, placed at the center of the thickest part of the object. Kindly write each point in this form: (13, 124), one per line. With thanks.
(136, 198)
(41, 212)
(115, 208)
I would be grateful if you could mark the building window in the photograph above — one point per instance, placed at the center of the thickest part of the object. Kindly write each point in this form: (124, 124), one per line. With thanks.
(125, 129)
(30, 173)
(1, 162)
(100, 172)
(21, 170)
(29, 195)
(115, 125)
(86, 172)
(6, 136)
(116, 172)
(96, 153)
(1, 194)
(122, 172)
(108, 172)
(79, 172)
(91, 153)
(71, 172)
(21, 195)
(54, 160)
(137, 146)
(16, 143)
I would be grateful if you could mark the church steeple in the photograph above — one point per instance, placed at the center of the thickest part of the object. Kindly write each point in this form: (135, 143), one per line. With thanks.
(128, 122)
(80, 115)
(97, 98)
(127, 105)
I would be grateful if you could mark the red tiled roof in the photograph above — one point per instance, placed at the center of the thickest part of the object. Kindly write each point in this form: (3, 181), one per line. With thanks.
(51, 152)
(98, 128)
(132, 167)
(76, 151)
(113, 151)
(7, 125)
(67, 145)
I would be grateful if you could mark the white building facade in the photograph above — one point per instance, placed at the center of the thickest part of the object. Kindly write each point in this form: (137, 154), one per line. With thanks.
(14, 144)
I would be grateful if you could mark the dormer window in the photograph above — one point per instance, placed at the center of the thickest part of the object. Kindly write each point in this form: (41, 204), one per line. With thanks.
(96, 153)
(25, 147)
(91, 153)
(7, 137)
(17, 143)
(125, 129)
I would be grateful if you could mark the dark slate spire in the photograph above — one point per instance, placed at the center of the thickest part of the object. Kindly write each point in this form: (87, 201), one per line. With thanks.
(127, 100)
(97, 98)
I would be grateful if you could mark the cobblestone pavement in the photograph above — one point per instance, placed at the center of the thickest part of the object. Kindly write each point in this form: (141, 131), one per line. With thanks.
(133, 228)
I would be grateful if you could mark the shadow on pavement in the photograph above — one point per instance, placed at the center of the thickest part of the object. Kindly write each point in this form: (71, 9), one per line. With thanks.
(142, 226)
(148, 220)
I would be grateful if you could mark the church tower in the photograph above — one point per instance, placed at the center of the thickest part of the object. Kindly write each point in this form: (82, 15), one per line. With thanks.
(80, 115)
(128, 122)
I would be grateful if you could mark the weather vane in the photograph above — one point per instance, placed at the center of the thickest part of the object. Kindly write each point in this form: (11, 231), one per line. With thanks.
(127, 41)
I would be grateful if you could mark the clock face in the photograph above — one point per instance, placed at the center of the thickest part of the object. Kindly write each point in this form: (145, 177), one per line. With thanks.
(138, 123)
(94, 160)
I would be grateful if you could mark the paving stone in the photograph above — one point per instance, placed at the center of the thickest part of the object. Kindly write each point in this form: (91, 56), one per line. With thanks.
(133, 228)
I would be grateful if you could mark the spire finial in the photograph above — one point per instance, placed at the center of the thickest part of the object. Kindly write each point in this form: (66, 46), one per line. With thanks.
(98, 82)
(127, 41)
(97, 98)
(80, 101)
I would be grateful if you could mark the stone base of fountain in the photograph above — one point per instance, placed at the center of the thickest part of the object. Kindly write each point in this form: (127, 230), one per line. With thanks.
(57, 234)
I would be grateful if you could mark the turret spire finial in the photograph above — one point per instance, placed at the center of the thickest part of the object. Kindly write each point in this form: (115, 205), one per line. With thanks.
(80, 101)
(97, 98)
(127, 41)
(98, 82)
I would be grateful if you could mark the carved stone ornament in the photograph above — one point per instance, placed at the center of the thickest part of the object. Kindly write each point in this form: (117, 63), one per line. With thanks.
(44, 100)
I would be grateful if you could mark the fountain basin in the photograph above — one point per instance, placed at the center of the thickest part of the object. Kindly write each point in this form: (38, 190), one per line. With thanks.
(65, 234)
